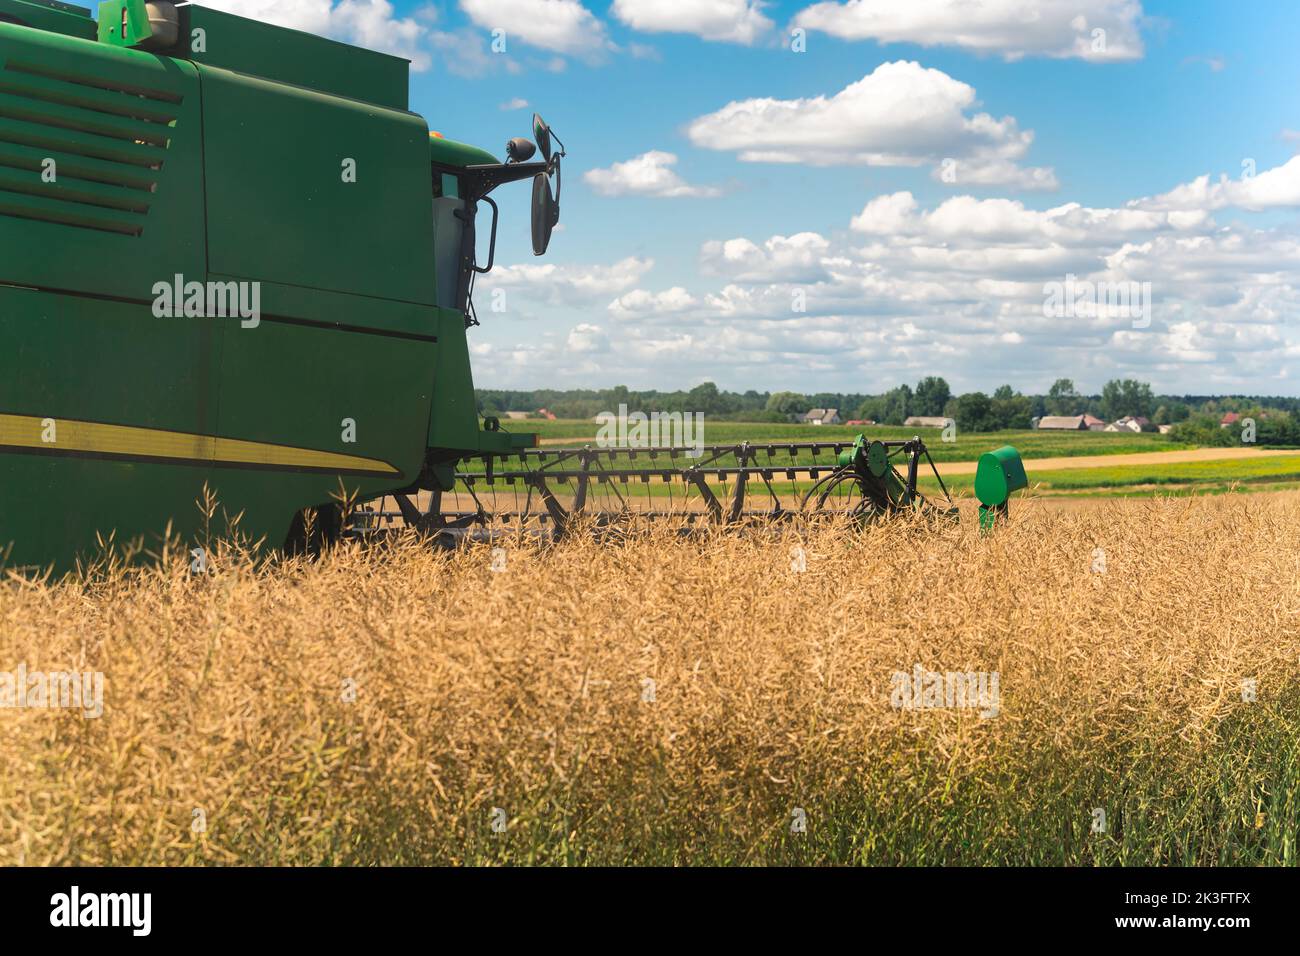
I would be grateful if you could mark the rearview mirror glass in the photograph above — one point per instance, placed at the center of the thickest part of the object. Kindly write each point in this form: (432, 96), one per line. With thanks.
(544, 213)
(542, 136)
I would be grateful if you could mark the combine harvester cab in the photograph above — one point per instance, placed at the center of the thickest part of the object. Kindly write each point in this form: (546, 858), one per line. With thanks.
(230, 257)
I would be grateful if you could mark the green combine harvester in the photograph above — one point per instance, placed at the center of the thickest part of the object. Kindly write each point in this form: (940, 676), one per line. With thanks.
(232, 259)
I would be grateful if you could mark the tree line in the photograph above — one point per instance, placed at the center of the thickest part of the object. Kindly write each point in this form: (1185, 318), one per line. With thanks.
(1194, 417)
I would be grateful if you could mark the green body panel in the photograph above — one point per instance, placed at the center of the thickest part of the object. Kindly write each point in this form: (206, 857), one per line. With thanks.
(203, 166)
(275, 156)
(291, 385)
(454, 422)
(50, 236)
(51, 15)
(80, 358)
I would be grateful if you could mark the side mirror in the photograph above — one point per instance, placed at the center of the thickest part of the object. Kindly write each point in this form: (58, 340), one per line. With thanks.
(542, 134)
(545, 213)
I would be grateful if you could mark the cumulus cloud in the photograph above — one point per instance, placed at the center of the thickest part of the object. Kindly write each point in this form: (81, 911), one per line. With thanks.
(640, 303)
(733, 21)
(650, 174)
(1010, 28)
(560, 26)
(791, 258)
(1274, 188)
(914, 288)
(900, 114)
(1009, 221)
(585, 337)
(532, 284)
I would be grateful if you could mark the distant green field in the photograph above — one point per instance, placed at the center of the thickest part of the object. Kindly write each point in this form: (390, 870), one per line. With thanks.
(1282, 468)
(967, 447)
(1203, 475)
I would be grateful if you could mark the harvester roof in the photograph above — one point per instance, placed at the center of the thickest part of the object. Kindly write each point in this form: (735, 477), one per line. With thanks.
(448, 152)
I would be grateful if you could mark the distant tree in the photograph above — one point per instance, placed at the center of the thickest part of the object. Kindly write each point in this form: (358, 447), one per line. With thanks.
(974, 413)
(932, 394)
(704, 398)
(899, 403)
(787, 403)
(1062, 399)
(1120, 397)
(1010, 409)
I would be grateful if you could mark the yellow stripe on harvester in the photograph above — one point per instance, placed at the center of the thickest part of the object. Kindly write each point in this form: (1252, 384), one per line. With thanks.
(70, 435)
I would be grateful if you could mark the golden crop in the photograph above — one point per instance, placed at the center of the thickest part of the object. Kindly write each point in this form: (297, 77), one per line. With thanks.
(667, 700)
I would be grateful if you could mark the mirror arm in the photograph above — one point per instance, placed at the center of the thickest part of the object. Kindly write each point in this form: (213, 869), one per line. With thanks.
(481, 180)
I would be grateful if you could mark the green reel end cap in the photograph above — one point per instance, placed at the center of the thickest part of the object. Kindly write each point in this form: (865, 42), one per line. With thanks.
(998, 474)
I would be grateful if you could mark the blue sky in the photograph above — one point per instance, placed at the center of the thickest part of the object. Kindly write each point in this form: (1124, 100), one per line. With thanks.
(690, 227)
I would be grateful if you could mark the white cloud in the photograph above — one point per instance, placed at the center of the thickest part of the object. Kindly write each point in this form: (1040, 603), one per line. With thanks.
(367, 23)
(560, 26)
(789, 258)
(587, 338)
(1274, 188)
(518, 103)
(1010, 28)
(531, 284)
(639, 303)
(958, 288)
(649, 174)
(734, 21)
(1008, 222)
(465, 52)
(900, 114)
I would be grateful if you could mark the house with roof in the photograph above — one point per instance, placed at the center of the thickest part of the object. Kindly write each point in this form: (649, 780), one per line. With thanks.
(1130, 423)
(821, 416)
(1229, 419)
(927, 421)
(1063, 423)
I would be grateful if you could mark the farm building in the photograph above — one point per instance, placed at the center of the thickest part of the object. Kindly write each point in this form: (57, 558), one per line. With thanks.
(821, 416)
(927, 421)
(1130, 423)
(1094, 423)
(1063, 423)
(1230, 418)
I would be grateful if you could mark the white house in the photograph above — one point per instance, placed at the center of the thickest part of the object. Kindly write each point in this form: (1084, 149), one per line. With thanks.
(821, 416)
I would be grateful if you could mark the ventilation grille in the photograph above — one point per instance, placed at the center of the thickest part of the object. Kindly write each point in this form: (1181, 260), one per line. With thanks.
(107, 141)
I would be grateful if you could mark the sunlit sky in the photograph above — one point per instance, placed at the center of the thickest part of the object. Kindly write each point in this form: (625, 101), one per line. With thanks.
(911, 176)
